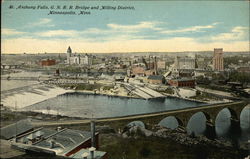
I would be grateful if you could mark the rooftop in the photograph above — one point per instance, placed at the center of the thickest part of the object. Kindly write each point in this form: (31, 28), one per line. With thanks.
(15, 129)
(155, 77)
(65, 140)
(183, 79)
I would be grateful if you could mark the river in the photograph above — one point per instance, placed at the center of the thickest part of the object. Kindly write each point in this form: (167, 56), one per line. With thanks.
(98, 106)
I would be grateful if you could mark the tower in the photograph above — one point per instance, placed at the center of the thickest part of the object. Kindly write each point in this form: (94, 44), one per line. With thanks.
(218, 62)
(69, 52)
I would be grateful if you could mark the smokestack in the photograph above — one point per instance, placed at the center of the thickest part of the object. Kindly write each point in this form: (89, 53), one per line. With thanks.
(92, 150)
(155, 65)
(92, 124)
(85, 155)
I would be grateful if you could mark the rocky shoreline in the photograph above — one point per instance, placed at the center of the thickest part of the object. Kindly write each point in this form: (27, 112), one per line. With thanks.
(181, 137)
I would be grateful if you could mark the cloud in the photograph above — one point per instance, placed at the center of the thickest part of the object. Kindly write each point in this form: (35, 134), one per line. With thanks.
(123, 38)
(136, 27)
(57, 33)
(7, 32)
(113, 31)
(198, 28)
(43, 22)
(237, 33)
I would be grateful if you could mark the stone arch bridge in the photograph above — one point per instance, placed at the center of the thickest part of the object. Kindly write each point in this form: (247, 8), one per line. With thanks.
(182, 115)
(152, 119)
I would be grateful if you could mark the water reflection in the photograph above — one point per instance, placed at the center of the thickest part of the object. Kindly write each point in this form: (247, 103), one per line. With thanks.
(224, 127)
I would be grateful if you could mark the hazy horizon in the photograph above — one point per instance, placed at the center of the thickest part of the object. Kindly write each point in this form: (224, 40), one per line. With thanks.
(125, 52)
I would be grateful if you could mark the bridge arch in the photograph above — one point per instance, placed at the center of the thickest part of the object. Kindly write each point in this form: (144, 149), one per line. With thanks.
(223, 121)
(171, 122)
(198, 122)
(245, 117)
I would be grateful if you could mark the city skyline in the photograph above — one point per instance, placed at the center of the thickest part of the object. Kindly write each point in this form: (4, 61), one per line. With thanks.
(165, 26)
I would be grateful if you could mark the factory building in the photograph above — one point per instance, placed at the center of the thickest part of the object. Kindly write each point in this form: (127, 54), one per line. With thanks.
(183, 82)
(184, 63)
(53, 142)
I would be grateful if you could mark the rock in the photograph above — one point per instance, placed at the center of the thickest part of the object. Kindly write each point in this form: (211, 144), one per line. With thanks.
(147, 132)
(136, 131)
(125, 135)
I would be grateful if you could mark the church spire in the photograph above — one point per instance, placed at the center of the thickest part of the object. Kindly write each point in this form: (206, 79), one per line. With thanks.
(69, 50)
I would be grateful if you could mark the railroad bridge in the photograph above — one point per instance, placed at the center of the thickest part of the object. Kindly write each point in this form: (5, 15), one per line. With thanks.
(184, 115)
(181, 115)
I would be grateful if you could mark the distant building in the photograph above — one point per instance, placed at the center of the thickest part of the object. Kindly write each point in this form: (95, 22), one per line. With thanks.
(184, 63)
(156, 79)
(69, 52)
(184, 82)
(218, 62)
(201, 63)
(186, 73)
(245, 69)
(77, 58)
(150, 72)
(47, 62)
(161, 65)
(138, 70)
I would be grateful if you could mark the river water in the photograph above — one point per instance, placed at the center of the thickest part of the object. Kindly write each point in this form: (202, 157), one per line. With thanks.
(98, 106)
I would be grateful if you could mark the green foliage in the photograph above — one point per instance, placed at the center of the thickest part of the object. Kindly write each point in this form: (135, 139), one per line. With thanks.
(107, 87)
(168, 91)
(204, 96)
(240, 77)
(235, 60)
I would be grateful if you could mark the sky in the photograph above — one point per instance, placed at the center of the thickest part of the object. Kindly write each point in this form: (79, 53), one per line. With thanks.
(159, 26)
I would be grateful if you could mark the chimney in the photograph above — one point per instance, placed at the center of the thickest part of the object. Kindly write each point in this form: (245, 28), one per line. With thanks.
(92, 123)
(85, 155)
(92, 150)
(155, 66)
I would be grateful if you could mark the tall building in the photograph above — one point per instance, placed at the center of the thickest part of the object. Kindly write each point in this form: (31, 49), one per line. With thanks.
(69, 52)
(77, 58)
(218, 62)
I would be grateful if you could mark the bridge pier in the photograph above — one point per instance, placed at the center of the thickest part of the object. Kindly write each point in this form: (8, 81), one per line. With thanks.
(235, 126)
(181, 129)
(210, 130)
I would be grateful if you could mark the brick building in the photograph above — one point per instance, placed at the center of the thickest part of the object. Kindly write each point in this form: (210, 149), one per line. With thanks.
(138, 71)
(156, 79)
(47, 62)
(184, 82)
